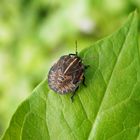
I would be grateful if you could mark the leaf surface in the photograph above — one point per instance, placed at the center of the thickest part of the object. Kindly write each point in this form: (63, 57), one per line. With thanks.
(107, 109)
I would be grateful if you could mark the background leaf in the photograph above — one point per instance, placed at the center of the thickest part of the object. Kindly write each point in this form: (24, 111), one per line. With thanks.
(109, 108)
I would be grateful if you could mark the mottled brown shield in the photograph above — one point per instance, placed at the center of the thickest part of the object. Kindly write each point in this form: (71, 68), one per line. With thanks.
(66, 74)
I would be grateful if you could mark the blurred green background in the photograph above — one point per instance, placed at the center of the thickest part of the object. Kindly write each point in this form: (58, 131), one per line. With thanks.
(33, 34)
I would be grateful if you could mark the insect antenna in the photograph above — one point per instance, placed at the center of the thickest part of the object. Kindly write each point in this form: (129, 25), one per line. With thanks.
(76, 47)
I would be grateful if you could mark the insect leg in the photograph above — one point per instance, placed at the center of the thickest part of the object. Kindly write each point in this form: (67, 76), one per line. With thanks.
(87, 66)
(72, 96)
(84, 81)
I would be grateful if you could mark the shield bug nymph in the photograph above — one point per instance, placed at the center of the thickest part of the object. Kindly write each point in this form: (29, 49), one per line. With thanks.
(66, 74)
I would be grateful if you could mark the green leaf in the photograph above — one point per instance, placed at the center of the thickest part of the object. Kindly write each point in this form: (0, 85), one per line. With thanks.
(108, 108)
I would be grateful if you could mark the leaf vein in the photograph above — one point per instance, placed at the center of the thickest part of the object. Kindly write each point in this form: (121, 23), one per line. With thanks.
(84, 109)
(119, 54)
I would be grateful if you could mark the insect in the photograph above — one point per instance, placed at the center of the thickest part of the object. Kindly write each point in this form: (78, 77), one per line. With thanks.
(66, 74)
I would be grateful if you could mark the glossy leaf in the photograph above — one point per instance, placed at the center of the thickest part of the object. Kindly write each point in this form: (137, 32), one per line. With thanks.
(107, 109)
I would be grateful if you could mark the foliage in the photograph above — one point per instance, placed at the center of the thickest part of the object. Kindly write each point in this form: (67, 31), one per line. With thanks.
(107, 109)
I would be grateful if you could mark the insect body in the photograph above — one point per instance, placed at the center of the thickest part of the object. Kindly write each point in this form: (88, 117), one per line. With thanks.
(66, 74)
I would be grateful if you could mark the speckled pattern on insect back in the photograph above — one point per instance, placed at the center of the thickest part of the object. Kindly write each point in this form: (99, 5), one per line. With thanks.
(66, 75)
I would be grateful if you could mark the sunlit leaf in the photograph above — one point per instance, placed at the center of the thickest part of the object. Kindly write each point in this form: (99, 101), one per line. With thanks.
(108, 108)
